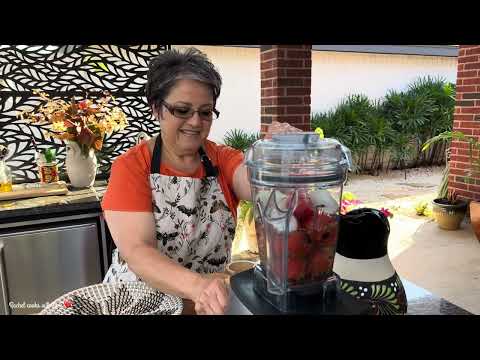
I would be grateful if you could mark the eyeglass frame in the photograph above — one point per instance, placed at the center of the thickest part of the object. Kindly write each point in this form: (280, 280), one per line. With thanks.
(170, 109)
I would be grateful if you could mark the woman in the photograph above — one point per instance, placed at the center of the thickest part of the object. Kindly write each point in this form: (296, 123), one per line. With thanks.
(171, 200)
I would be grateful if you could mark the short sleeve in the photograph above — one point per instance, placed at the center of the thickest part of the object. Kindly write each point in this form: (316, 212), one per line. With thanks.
(228, 161)
(129, 184)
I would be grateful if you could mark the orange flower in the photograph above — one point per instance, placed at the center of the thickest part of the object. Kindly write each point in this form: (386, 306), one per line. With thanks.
(97, 145)
(86, 121)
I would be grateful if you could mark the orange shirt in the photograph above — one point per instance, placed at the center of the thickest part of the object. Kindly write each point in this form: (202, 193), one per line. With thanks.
(129, 184)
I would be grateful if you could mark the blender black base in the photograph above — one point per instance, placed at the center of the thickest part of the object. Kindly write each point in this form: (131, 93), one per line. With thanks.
(337, 303)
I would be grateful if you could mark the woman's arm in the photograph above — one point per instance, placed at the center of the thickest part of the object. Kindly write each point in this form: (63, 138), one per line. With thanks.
(133, 233)
(241, 182)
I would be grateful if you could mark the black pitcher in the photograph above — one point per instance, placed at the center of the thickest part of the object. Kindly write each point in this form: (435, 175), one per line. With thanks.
(363, 264)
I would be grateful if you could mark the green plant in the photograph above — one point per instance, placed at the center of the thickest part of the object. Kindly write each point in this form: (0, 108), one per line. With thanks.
(352, 123)
(421, 207)
(473, 145)
(246, 211)
(408, 113)
(441, 96)
(452, 197)
(402, 151)
(396, 125)
(240, 139)
(443, 188)
(50, 155)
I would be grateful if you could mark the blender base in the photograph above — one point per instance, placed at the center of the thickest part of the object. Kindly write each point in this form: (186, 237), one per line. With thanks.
(250, 290)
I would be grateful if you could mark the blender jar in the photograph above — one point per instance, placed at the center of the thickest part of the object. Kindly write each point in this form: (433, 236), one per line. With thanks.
(297, 181)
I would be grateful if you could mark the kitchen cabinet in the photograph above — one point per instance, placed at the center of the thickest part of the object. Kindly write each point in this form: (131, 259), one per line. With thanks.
(45, 258)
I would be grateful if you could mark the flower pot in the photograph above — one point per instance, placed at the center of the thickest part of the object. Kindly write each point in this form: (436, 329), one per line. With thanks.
(81, 169)
(475, 217)
(447, 215)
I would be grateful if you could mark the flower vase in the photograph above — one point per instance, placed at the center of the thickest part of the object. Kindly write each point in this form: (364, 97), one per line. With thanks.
(81, 169)
(363, 264)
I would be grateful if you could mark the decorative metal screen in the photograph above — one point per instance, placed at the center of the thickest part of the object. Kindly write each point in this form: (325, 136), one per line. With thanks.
(65, 71)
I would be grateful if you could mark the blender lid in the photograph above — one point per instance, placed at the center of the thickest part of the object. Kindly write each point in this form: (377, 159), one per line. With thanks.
(297, 158)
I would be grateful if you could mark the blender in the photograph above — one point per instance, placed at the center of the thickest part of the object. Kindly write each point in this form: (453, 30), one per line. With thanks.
(296, 182)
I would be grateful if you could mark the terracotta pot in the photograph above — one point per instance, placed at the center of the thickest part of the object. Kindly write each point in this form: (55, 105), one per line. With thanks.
(448, 216)
(475, 217)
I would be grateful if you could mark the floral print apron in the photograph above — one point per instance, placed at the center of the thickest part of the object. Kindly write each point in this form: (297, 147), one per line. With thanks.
(194, 225)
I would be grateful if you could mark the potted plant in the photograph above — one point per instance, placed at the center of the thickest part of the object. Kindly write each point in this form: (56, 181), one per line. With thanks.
(448, 210)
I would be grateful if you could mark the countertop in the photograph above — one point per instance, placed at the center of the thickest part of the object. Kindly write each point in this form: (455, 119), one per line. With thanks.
(76, 200)
(420, 301)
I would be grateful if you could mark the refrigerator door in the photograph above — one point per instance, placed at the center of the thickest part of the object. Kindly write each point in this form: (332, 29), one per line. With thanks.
(39, 265)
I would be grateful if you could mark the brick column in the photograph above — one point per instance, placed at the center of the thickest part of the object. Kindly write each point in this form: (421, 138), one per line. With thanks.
(467, 120)
(286, 72)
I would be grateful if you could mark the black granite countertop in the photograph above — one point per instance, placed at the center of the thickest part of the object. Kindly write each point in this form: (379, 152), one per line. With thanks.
(423, 302)
(420, 301)
(75, 201)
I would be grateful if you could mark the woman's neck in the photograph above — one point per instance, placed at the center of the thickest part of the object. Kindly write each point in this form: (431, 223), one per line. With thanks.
(187, 162)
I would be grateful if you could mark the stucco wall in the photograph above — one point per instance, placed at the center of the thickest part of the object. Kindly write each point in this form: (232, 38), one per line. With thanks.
(334, 76)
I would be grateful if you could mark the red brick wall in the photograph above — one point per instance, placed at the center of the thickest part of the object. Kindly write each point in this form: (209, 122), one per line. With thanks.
(467, 120)
(286, 72)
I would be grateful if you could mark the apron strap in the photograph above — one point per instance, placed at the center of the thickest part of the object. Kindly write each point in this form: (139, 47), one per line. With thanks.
(210, 170)
(157, 154)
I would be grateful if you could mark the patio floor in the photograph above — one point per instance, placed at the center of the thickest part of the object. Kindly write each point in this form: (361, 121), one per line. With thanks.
(447, 263)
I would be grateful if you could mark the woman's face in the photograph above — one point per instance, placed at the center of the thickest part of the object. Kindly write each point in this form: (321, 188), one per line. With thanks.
(185, 136)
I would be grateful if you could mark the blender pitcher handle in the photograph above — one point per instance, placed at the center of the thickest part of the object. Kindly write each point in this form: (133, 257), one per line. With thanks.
(348, 157)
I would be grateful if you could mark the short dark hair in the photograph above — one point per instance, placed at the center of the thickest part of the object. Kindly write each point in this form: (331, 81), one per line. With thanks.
(172, 65)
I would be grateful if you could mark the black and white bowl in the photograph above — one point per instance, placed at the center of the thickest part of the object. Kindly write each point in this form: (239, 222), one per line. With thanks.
(122, 298)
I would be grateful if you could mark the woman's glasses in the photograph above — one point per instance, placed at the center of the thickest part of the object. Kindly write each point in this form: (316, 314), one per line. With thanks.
(186, 112)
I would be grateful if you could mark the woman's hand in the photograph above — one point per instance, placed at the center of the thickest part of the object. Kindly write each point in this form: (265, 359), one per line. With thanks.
(241, 181)
(280, 128)
(212, 296)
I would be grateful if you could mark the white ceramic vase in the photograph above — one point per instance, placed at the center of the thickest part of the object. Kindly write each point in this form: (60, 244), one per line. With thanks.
(81, 170)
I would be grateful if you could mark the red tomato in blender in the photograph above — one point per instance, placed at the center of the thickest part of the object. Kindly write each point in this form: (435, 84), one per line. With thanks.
(297, 244)
(304, 211)
(321, 262)
(296, 269)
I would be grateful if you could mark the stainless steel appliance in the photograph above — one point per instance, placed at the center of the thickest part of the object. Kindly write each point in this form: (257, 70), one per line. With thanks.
(41, 260)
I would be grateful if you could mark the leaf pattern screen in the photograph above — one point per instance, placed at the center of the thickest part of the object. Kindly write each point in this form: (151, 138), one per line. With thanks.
(65, 71)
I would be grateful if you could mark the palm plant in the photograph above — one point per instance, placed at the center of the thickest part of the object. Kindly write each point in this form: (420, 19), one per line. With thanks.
(348, 123)
(442, 97)
(382, 137)
(473, 145)
(400, 123)
(240, 139)
(408, 113)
